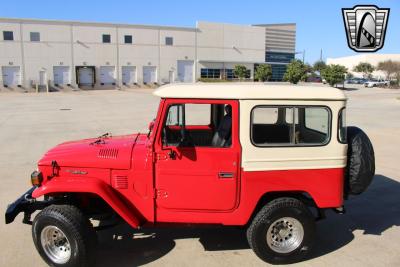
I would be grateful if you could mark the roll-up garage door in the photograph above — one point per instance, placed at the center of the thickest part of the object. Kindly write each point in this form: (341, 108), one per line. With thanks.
(149, 74)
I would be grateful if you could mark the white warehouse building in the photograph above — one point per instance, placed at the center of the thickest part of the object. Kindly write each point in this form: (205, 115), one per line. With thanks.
(374, 59)
(98, 54)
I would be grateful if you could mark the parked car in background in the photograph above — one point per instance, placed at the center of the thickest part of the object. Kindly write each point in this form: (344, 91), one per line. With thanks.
(374, 83)
(356, 81)
(314, 79)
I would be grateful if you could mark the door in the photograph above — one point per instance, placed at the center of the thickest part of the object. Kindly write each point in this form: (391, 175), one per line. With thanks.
(86, 76)
(61, 75)
(128, 75)
(192, 173)
(149, 74)
(11, 75)
(42, 77)
(185, 71)
(107, 74)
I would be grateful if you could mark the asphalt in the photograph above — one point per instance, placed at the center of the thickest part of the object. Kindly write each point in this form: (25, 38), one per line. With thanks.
(367, 235)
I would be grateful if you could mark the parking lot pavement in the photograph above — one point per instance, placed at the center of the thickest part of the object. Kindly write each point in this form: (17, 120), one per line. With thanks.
(367, 235)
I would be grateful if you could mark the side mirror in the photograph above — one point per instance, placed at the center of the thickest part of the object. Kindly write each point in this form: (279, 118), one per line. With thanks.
(151, 125)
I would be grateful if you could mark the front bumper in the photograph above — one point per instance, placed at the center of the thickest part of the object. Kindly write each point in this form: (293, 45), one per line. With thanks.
(25, 204)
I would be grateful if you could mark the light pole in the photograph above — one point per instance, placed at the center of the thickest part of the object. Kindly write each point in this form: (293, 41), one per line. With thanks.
(301, 52)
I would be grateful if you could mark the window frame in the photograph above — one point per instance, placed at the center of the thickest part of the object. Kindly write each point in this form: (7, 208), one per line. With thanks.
(340, 114)
(30, 37)
(104, 35)
(12, 34)
(285, 145)
(176, 101)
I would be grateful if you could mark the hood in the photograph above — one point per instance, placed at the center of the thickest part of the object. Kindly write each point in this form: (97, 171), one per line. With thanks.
(108, 152)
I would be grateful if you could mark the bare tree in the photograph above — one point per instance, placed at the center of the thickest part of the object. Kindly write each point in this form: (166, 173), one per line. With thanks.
(389, 67)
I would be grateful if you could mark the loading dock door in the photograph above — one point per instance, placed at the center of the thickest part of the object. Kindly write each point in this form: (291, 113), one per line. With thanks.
(11, 75)
(61, 75)
(149, 74)
(185, 71)
(128, 75)
(107, 74)
(85, 75)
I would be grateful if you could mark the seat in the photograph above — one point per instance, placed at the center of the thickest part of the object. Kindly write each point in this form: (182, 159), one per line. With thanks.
(222, 136)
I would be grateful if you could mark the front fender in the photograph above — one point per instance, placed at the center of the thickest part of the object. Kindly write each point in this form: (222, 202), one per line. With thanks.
(90, 185)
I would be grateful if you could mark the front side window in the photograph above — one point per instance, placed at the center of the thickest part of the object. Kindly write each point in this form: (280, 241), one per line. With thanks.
(106, 38)
(198, 125)
(35, 37)
(342, 128)
(290, 126)
(8, 36)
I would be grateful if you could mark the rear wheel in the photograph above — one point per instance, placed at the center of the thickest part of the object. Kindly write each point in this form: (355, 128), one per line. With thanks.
(63, 236)
(282, 232)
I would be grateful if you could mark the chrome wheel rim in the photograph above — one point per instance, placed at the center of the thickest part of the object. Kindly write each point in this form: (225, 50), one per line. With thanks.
(55, 244)
(285, 235)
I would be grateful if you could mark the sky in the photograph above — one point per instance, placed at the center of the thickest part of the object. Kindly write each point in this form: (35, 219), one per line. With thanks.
(319, 23)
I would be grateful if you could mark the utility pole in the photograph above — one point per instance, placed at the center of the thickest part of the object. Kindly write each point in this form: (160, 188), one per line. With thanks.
(304, 55)
(320, 55)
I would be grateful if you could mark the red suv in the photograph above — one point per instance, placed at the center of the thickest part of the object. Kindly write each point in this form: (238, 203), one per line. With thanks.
(269, 158)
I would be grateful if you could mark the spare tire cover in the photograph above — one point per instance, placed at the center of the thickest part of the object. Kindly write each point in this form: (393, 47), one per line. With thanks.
(360, 162)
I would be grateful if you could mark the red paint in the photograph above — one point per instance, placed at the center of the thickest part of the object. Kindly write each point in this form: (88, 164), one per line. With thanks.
(136, 177)
(190, 181)
(85, 153)
(90, 185)
(325, 186)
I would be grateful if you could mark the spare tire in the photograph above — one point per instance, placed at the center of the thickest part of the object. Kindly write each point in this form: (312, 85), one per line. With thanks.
(360, 162)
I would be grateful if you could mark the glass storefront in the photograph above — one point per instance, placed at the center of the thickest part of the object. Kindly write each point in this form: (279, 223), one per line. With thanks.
(278, 70)
(278, 57)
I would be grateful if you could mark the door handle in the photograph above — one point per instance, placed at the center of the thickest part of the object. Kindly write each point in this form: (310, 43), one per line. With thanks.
(225, 175)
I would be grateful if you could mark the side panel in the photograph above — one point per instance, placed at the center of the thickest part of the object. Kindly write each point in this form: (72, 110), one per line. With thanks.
(325, 186)
(91, 185)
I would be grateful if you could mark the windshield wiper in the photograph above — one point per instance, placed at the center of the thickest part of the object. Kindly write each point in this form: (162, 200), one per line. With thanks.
(100, 139)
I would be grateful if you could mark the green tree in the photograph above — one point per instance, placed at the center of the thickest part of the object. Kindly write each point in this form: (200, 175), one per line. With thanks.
(240, 71)
(364, 67)
(319, 66)
(334, 74)
(263, 72)
(349, 75)
(295, 71)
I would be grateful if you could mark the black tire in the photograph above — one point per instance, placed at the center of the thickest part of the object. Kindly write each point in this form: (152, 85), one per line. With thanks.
(75, 226)
(270, 214)
(360, 162)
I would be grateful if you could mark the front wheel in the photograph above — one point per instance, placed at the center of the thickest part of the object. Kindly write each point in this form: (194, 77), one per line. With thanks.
(63, 236)
(282, 232)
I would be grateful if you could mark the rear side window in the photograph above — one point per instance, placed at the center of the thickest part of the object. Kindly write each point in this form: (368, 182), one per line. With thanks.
(342, 127)
(265, 115)
(316, 119)
(290, 126)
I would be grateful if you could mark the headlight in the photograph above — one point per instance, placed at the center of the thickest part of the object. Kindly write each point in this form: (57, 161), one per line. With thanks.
(36, 178)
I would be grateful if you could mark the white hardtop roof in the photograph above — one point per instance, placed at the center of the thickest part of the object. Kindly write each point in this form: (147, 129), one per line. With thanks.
(249, 91)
